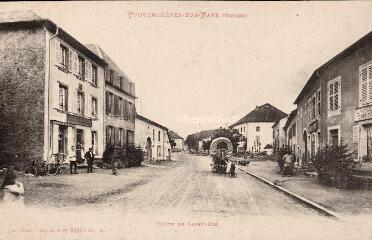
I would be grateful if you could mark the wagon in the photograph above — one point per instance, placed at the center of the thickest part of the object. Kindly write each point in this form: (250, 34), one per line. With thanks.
(221, 150)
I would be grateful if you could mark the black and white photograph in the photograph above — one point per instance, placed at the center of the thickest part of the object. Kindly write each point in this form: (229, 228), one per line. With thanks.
(171, 120)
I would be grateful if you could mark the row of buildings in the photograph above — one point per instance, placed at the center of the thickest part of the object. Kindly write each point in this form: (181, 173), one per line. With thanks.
(334, 107)
(57, 92)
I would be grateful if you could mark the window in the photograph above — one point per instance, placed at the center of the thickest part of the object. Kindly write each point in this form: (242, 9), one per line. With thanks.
(158, 135)
(334, 97)
(130, 137)
(63, 98)
(121, 82)
(120, 107)
(130, 111)
(318, 102)
(80, 103)
(94, 107)
(121, 136)
(111, 76)
(126, 113)
(334, 135)
(109, 135)
(81, 67)
(153, 134)
(365, 84)
(62, 139)
(64, 57)
(94, 142)
(94, 75)
(258, 139)
(109, 103)
(116, 105)
(258, 129)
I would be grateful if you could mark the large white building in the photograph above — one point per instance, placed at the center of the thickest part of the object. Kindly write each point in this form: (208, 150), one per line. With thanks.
(153, 138)
(256, 126)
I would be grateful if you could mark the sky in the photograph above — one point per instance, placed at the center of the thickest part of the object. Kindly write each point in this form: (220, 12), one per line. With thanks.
(196, 73)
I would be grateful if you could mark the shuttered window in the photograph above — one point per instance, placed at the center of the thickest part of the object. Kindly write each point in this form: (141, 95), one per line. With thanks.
(334, 97)
(365, 85)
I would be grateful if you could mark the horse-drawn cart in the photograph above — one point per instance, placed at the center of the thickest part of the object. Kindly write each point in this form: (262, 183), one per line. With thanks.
(221, 150)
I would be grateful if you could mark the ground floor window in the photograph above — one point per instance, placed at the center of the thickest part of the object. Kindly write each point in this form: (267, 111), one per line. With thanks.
(62, 139)
(334, 136)
(130, 137)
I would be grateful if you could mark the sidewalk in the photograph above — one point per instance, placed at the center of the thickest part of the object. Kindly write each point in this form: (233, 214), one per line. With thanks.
(94, 189)
(343, 201)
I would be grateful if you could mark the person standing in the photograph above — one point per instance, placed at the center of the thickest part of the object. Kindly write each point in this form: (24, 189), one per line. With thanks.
(288, 161)
(73, 159)
(89, 156)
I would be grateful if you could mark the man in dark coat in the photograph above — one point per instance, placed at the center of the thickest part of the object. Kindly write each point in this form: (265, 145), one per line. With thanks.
(89, 156)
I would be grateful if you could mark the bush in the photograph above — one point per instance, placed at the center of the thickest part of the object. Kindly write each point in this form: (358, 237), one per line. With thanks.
(334, 165)
(126, 156)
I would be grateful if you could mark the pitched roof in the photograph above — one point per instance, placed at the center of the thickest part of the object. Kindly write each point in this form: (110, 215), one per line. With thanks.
(358, 44)
(18, 16)
(264, 113)
(174, 135)
(28, 19)
(102, 54)
(150, 122)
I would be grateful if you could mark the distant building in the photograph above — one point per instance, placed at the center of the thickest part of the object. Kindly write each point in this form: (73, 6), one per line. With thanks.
(279, 134)
(290, 129)
(178, 140)
(256, 126)
(153, 138)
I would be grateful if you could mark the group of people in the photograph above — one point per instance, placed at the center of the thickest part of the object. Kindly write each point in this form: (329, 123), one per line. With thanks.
(74, 157)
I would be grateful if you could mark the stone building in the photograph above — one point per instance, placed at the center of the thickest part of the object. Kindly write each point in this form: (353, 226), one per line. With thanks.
(51, 89)
(153, 138)
(256, 126)
(335, 104)
(119, 106)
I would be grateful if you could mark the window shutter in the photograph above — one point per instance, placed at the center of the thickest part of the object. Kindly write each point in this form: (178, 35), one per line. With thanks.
(58, 52)
(107, 135)
(107, 103)
(70, 60)
(89, 67)
(369, 84)
(363, 91)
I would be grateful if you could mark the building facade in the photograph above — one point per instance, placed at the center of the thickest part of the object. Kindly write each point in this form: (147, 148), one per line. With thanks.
(153, 138)
(290, 129)
(256, 127)
(52, 90)
(119, 104)
(279, 135)
(177, 139)
(334, 107)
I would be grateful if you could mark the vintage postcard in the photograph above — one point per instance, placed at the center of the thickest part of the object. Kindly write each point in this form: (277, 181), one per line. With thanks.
(185, 120)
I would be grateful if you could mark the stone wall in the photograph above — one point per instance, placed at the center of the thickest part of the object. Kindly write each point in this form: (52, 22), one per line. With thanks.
(22, 75)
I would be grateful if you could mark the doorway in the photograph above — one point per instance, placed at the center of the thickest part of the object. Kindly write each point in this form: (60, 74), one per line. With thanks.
(305, 142)
(148, 149)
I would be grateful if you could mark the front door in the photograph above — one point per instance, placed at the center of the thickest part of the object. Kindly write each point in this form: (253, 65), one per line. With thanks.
(79, 143)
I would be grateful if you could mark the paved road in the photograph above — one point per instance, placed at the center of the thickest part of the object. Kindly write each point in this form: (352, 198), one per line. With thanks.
(191, 188)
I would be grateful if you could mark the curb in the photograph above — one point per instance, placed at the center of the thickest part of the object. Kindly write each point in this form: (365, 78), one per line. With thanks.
(296, 197)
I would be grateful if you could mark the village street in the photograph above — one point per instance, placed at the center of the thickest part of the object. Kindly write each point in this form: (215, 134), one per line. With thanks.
(180, 199)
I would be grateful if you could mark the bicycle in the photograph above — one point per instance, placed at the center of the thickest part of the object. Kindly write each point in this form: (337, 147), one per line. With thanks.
(37, 168)
(55, 167)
